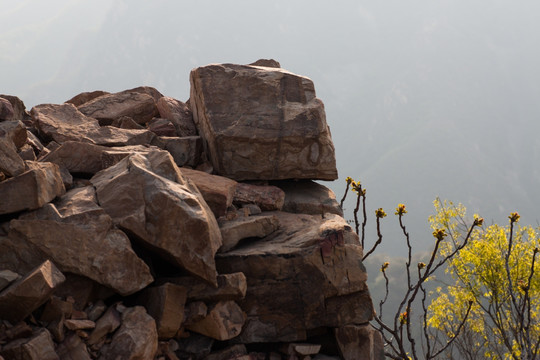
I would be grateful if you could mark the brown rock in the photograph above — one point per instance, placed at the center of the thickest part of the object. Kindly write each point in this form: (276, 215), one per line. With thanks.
(162, 127)
(106, 108)
(125, 122)
(234, 231)
(85, 97)
(15, 130)
(148, 90)
(232, 352)
(229, 287)
(359, 342)
(165, 304)
(6, 110)
(101, 252)
(20, 330)
(107, 324)
(186, 151)
(27, 153)
(306, 275)
(217, 191)
(261, 123)
(266, 63)
(19, 110)
(268, 198)
(195, 312)
(30, 292)
(7, 277)
(179, 114)
(135, 339)
(38, 347)
(11, 163)
(81, 291)
(309, 197)
(148, 197)
(73, 348)
(195, 346)
(224, 321)
(55, 309)
(74, 325)
(32, 189)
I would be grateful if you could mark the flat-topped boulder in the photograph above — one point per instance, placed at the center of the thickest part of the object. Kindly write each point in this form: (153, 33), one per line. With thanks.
(261, 123)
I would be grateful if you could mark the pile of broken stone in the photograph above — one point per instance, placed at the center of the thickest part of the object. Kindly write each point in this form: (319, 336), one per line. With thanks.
(136, 226)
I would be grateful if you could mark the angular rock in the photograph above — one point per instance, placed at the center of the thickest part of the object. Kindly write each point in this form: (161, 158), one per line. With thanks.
(73, 348)
(38, 347)
(266, 63)
(74, 325)
(135, 339)
(6, 110)
(32, 189)
(24, 296)
(261, 123)
(186, 151)
(195, 346)
(359, 341)
(179, 114)
(217, 191)
(64, 122)
(165, 304)
(7, 277)
(229, 287)
(107, 324)
(55, 309)
(11, 163)
(306, 275)
(15, 130)
(148, 90)
(19, 110)
(162, 127)
(194, 312)
(84, 97)
(268, 198)
(106, 108)
(234, 231)
(224, 321)
(125, 122)
(81, 291)
(308, 197)
(27, 153)
(229, 353)
(148, 197)
(101, 252)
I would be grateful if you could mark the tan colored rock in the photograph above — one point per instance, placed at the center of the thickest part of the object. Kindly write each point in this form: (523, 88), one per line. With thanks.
(179, 114)
(84, 97)
(32, 189)
(38, 347)
(161, 127)
(11, 163)
(24, 296)
(136, 338)
(19, 110)
(261, 123)
(148, 90)
(6, 110)
(359, 342)
(234, 231)
(217, 191)
(229, 287)
(73, 348)
(186, 151)
(27, 152)
(268, 198)
(125, 122)
(101, 252)
(74, 325)
(306, 275)
(106, 324)
(224, 321)
(266, 63)
(148, 197)
(15, 130)
(165, 304)
(106, 108)
(308, 197)
(7, 277)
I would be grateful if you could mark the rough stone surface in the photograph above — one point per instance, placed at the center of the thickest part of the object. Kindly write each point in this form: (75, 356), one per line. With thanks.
(148, 197)
(101, 252)
(7, 277)
(268, 198)
(106, 108)
(136, 339)
(11, 163)
(179, 114)
(234, 231)
(306, 275)
(229, 287)
(107, 324)
(30, 292)
(6, 110)
(261, 123)
(38, 347)
(15, 130)
(73, 348)
(32, 189)
(162, 127)
(224, 321)
(85, 97)
(19, 110)
(267, 63)
(165, 304)
(359, 341)
(217, 191)
(186, 151)
(308, 197)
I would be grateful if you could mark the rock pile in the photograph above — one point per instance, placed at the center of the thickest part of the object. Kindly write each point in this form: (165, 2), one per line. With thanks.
(136, 226)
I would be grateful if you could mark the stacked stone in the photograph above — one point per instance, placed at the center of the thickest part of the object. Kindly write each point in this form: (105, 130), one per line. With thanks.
(136, 226)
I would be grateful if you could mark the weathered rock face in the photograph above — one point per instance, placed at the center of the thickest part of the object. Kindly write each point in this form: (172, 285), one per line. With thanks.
(148, 197)
(235, 104)
(179, 114)
(6, 109)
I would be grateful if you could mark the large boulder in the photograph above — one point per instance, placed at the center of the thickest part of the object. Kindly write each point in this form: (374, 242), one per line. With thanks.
(261, 123)
(6, 109)
(19, 110)
(306, 275)
(80, 238)
(11, 163)
(179, 114)
(148, 197)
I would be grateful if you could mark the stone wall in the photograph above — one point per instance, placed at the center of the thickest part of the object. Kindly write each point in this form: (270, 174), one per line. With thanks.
(136, 226)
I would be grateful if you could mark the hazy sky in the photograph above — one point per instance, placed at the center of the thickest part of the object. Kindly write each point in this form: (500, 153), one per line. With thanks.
(424, 98)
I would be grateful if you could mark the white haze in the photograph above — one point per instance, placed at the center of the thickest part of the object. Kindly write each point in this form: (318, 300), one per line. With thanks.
(424, 98)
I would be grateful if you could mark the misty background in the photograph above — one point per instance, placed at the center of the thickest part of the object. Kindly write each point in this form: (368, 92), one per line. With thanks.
(423, 98)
